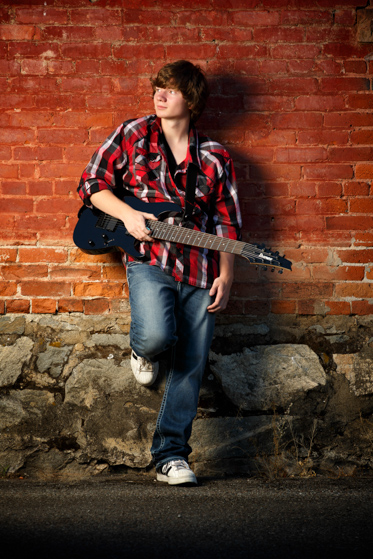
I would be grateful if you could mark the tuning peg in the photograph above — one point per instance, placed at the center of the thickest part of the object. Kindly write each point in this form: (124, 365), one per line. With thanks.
(272, 270)
(281, 271)
(265, 268)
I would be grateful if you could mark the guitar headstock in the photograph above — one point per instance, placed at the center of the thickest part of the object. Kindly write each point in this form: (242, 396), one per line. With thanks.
(259, 255)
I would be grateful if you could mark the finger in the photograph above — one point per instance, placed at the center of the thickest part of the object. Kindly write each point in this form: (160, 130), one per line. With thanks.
(150, 216)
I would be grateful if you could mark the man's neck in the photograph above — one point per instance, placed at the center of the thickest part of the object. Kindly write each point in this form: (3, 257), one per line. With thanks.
(176, 132)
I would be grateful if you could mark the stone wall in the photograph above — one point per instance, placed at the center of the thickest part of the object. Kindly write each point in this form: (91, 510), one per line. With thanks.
(281, 396)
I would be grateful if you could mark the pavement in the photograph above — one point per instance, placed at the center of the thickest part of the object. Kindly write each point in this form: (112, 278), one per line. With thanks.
(136, 517)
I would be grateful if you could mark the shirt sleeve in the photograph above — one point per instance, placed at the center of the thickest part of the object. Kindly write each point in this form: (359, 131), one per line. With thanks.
(227, 216)
(101, 172)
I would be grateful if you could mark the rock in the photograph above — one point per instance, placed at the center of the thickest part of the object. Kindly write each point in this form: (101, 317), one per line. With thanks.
(53, 360)
(358, 369)
(267, 377)
(94, 379)
(12, 359)
(119, 340)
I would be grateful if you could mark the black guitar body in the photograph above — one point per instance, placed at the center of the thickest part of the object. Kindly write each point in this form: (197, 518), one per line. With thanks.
(98, 233)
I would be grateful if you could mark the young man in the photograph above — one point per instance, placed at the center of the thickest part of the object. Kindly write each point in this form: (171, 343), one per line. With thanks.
(175, 290)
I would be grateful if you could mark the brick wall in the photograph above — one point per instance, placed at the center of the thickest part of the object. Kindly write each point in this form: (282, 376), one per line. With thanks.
(292, 88)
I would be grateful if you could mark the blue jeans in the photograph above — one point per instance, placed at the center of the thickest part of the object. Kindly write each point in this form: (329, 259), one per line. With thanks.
(169, 320)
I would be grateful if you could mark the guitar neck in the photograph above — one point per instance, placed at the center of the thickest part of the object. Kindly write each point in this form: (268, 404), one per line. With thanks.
(185, 236)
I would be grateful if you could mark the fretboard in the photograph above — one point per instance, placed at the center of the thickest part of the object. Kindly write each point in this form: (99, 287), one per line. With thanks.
(185, 236)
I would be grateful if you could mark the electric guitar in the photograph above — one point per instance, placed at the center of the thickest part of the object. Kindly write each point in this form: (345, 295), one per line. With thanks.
(97, 232)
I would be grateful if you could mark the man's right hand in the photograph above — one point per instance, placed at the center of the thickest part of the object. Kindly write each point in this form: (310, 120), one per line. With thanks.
(134, 221)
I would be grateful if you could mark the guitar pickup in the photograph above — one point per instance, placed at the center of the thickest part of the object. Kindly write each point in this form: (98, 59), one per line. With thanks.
(107, 222)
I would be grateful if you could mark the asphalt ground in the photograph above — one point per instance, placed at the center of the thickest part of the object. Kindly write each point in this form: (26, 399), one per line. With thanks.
(136, 517)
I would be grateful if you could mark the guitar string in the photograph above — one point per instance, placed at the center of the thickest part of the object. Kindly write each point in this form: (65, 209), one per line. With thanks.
(180, 233)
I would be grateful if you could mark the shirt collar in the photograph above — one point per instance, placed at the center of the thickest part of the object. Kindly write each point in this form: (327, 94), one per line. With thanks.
(193, 147)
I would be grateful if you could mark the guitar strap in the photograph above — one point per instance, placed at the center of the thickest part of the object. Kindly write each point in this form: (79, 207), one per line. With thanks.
(190, 190)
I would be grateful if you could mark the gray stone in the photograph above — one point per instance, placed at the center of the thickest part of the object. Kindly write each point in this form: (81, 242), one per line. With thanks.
(119, 340)
(266, 377)
(11, 325)
(53, 360)
(12, 359)
(93, 379)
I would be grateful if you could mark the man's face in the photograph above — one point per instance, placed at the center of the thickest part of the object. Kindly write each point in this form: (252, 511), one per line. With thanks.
(170, 103)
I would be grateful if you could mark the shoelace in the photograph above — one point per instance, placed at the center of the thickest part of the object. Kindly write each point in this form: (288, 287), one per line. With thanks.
(177, 464)
(144, 364)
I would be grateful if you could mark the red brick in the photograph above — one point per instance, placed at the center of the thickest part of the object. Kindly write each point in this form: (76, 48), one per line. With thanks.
(360, 101)
(349, 223)
(356, 290)
(43, 306)
(361, 307)
(42, 15)
(345, 154)
(324, 206)
(21, 306)
(277, 35)
(16, 272)
(364, 171)
(347, 119)
(299, 85)
(328, 189)
(8, 255)
(8, 289)
(338, 273)
(307, 290)
(275, 172)
(17, 32)
(337, 307)
(296, 51)
(361, 205)
(355, 66)
(319, 103)
(283, 307)
(344, 84)
(305, 17)
(302, 188)
(16, 136)
(356, 256)
(16, 205)
(356, 189)
(363, 239)
(323, 137)
(35, 255)
(302, 155)
(298, 121)
(96, 306)
(99, 289)
(328, 172)
(44, 288)
(36, 67)
(346, 50)
(70, 305)
(255, 18)
(74, 136)
(362, 136)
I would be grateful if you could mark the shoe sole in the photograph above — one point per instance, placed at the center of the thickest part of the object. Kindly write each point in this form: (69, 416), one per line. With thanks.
(182, 480)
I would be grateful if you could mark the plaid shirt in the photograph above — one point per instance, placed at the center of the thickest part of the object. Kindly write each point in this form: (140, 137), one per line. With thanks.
(133, 159)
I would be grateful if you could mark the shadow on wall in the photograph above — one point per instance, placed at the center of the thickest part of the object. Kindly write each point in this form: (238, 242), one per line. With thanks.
(228, 119)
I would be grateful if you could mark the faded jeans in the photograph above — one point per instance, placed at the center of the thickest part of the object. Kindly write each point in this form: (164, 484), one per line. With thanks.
(169, 320)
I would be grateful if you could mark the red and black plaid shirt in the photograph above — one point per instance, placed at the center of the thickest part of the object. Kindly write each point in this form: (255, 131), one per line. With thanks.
(133, 159)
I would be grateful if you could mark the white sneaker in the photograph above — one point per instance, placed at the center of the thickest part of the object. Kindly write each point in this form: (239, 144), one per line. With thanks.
(145, 371)
(176, 472)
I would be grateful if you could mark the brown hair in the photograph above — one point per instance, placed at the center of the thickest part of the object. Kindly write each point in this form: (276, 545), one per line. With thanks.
(187, 78)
